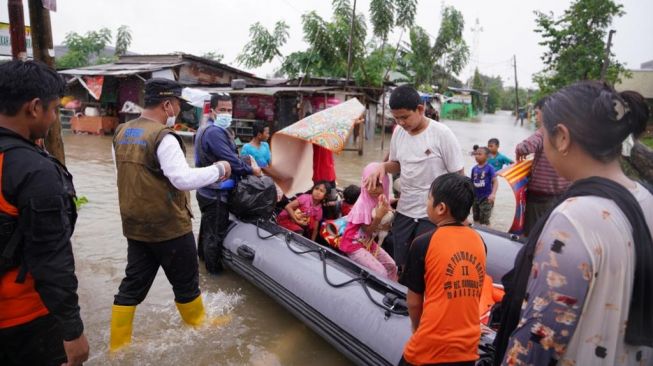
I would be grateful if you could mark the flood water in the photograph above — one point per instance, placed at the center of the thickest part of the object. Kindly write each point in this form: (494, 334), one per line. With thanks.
(259, 331)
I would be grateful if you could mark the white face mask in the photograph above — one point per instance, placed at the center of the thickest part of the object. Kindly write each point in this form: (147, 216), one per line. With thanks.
(222, 120)
(170, 122)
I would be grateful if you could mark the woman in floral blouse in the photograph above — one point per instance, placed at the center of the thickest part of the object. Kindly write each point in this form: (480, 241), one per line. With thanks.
(588, 299)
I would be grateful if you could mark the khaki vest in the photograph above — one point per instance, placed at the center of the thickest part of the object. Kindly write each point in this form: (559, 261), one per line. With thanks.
(151, 208)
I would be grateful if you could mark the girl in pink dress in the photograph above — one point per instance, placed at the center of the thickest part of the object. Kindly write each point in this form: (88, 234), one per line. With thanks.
(362, 227)
(304, 214)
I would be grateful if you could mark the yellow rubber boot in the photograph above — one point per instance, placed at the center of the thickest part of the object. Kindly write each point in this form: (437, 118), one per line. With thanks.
(192, 312)
(122, 318)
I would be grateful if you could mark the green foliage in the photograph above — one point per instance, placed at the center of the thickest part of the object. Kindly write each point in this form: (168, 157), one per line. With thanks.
(405, 12)
(80, 201)
(477, 81)
(212, 55)
(418, 59)
(450, 47)
(477, 84)
(329, 44)
(264, 45)
(508, 98)
(575, 44)
(382, 17)
(81, 48)
(373, 68)
(648, 141)
(123, 40)
(436, 64)
(493, 99)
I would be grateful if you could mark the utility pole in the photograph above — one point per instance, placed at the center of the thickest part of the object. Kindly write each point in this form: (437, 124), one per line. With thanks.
(606, 59)
(516, 87)
(17, 30)
(351, 39)
(44, 51)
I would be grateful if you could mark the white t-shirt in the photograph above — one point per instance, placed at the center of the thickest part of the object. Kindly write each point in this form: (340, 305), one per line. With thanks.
(423, 157)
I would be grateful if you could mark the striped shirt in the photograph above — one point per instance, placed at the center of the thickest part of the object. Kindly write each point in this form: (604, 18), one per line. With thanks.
(544, 179)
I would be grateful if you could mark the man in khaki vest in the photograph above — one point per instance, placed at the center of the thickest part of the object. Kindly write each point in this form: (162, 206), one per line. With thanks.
(153, 183)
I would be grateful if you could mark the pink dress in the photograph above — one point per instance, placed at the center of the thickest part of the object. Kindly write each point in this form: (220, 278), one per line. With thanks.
(314, 212)
(360, 247)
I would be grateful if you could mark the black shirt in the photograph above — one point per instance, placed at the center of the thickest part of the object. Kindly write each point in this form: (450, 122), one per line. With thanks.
(413, 275)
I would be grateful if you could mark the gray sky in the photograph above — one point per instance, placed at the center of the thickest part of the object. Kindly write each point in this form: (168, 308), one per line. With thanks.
(198, 26)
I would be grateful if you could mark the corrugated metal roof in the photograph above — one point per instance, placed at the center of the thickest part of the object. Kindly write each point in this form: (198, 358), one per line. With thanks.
(118, 69)
(270, 90)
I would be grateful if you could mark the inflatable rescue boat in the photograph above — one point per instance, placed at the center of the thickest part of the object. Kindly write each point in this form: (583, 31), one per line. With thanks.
(363, 316)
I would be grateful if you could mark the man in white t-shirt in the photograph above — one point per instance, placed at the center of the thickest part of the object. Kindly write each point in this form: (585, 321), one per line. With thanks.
(421, 150)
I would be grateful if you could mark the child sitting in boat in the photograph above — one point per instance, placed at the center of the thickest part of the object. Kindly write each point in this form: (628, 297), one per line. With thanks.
(350, 195)
(357, 241)
(444, 273)
(304, 214)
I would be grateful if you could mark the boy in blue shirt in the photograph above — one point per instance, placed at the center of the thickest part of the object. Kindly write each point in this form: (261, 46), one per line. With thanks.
(258, 148)
(485, 187)
(495, 158)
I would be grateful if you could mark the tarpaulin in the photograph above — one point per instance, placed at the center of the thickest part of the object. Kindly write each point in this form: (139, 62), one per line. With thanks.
(292, 150)
(517, 176)
(94, 85)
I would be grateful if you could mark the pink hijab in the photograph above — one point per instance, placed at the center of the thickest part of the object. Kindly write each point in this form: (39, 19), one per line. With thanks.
(361, 213)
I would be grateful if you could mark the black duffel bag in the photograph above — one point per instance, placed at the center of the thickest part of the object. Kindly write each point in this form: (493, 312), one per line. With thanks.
(253, 198)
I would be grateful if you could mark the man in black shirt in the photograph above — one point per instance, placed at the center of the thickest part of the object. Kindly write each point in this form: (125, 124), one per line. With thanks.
(39, 311)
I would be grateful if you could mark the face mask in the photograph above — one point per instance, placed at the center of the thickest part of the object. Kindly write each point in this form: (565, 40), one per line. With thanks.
(170, 122)
(222, 120)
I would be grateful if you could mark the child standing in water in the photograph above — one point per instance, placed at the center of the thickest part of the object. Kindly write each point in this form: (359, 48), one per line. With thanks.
(362, 226)
(304, 214)
(485, 187)
(495, 158)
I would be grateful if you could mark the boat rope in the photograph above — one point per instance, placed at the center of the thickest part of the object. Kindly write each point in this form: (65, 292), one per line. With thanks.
(362, 277)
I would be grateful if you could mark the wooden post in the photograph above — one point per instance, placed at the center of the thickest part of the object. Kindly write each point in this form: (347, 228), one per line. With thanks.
(351, 36)
(606, 59)
(44, 51)
(383, 117)
(361, 137)
(17, 29)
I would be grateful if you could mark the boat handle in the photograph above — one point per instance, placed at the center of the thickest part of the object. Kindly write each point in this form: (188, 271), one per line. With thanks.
(246, 252)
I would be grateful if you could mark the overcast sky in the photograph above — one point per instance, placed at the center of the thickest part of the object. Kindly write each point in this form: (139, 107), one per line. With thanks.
(199, 26)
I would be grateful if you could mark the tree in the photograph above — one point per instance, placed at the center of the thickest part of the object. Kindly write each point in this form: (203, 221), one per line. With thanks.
(418, 58)
(450, 48)
(212, 55)
(436, 64)
(477, 84)
(264, 45)
(406, 10)
(382, 13)
(575, 44)
(123, 40)
(328, 42)
(82, 48)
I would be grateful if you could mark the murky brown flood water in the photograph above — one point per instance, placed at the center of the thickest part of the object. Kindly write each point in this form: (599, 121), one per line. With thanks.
(260, 332)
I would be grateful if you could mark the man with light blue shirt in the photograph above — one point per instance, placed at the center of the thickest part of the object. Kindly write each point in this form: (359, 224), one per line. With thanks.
(258, 148)
(214, 143)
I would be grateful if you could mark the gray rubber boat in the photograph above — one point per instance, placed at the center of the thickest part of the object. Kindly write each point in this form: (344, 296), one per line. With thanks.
(362, 315)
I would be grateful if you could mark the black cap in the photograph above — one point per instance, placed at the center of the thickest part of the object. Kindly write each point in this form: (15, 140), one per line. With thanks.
(159, 89)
